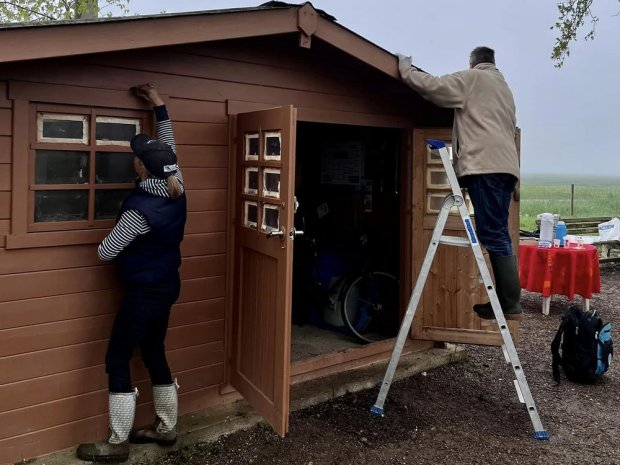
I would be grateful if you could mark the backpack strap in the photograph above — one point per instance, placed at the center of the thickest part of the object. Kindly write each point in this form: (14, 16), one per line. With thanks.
(555, 351)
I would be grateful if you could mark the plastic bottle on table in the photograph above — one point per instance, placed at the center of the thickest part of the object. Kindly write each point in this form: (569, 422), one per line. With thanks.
(560, 232)
(546, 230)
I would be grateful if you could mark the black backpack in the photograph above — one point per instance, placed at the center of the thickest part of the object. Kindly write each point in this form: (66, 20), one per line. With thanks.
(582, 346)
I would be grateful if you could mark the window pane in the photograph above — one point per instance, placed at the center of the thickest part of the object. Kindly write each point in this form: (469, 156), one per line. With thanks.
(271, 218)
(251, 181)
(108, 202)
(60, 206)
(115, 129)
(61, 167)
(114, 167)
(437, 177)
(251, 146)
(272, 145)
(271, 186)
(63, 129)
(251, 214)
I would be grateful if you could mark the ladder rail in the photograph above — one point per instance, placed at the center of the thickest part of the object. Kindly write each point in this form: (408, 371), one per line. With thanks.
(413, 304)
(455, 199)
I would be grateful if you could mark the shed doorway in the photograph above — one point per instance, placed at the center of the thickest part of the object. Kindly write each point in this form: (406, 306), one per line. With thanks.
(346, 265)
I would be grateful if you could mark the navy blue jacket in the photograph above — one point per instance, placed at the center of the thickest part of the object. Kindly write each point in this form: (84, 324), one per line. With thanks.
(155, 255)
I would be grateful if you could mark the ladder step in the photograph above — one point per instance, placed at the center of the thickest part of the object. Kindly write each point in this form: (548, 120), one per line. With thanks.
(454, 240)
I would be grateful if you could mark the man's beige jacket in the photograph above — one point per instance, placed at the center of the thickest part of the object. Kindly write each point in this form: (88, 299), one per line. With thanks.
(484, 115)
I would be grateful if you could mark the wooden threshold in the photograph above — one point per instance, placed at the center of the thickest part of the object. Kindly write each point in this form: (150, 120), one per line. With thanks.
(323, 365)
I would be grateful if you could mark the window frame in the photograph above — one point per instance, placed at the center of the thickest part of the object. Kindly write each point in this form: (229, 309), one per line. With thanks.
(91, 147)
(27, 99)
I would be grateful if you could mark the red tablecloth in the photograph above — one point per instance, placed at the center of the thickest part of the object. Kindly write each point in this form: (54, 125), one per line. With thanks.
(560, 270)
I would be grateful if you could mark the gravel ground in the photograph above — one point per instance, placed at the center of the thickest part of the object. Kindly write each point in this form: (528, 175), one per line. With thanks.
(466, 413)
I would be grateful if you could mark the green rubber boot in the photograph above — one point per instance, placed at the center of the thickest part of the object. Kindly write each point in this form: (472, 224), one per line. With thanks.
(508, 289)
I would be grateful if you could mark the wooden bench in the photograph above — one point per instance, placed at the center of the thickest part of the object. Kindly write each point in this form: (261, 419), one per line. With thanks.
(589, 227)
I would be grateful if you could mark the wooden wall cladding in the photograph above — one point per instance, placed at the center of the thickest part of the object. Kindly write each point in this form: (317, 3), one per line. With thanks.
(5, 161)
(5, 149)
(57, 304)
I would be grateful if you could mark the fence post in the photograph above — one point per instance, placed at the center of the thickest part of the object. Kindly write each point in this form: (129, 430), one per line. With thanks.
(572, 199)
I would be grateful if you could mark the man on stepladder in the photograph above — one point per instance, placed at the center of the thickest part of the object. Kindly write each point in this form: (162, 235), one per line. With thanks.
(485, 158)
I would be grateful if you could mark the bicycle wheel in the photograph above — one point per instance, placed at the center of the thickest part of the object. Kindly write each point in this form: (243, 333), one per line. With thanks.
(369, 306)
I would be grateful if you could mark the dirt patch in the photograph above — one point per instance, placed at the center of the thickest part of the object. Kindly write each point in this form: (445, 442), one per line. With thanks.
(462, 413)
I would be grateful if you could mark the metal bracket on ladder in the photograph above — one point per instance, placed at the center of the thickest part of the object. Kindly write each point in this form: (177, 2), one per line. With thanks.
(455, 199)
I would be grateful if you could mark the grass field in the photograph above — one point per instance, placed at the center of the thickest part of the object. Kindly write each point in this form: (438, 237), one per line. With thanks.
(593, 196)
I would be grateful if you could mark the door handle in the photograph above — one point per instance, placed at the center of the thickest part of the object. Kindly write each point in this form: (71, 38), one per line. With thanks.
(279, 233)
(294, 233)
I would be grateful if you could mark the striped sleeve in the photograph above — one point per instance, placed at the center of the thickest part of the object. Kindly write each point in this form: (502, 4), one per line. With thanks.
(165, 133)
(130, 225)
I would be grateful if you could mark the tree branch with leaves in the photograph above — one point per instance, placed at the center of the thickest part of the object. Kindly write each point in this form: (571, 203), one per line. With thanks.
(573, 15)
(22, 11)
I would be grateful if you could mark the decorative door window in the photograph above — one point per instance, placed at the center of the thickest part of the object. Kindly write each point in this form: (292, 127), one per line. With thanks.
(81, 166)
(271, 183)
(437, 184)
(251, 181)
(262, 156)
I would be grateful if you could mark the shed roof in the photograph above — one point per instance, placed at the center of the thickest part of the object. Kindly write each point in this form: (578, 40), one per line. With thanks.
(49, 39)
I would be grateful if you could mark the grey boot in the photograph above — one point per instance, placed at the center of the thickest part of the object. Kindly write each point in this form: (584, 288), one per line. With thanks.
(122, 407)
(164, 430)
(508, 289)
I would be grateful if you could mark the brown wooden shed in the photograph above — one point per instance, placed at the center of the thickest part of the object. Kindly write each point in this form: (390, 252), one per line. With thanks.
(269, 104)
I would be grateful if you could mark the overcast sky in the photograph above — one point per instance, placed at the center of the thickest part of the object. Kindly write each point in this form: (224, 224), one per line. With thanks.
(570, 117)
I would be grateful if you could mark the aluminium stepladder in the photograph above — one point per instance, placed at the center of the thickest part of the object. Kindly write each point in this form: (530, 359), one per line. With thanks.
(455, 199)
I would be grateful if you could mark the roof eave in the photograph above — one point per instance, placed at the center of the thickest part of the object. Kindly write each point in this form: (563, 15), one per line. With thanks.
(78, 38)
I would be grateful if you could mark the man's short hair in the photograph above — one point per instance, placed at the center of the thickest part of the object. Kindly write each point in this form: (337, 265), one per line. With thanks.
(481, 55)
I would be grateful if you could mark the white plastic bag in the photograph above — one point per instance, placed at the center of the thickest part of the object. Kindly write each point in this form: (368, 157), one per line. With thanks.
(610, 230)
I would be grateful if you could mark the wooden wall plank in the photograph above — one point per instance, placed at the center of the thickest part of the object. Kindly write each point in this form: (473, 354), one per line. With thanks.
(5, 205)
(201, 133)
(54, 258)
(203, 244)
(5, 177)
(37, 443)
(75, 280)
(200, 111)
(61, 359)
(50, 335)
(5, 227)
(199, 222)
(202, 289)
(73, 383)
(4, 101)
(58, 308)
(58, 282)
(204, 64)
(6, 122)
(202, 200)
(78, 331)
(42, 416)
(5, 149)
(198, 311)
(202, 267)
(176, 86)
(197, 178)
(201, 156)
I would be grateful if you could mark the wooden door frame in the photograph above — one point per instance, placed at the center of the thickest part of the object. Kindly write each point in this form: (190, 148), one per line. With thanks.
(322, 365)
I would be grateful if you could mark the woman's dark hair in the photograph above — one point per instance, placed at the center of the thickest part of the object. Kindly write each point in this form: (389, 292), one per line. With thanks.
(481, 55)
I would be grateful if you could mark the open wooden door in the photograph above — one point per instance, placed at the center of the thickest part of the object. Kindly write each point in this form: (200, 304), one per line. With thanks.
(264, 236)
(445, 313)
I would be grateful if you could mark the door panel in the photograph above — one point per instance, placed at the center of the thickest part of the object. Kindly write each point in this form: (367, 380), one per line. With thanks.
(263, 261)
(445, 311)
